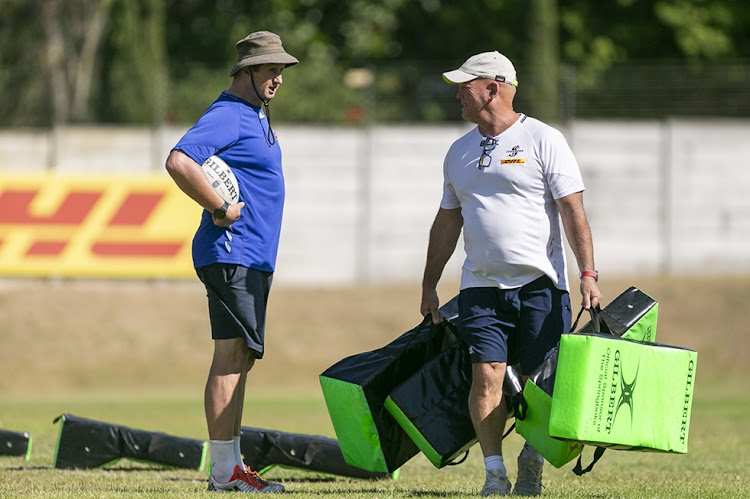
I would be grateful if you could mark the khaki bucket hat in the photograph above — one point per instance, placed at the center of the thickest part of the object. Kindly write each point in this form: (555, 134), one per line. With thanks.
(261, 47)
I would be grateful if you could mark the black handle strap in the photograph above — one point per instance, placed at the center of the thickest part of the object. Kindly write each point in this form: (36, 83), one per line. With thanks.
(519, 405)
(427, 320)
(452, 327)
(575, 322)
(596, 321)
(459, 461)
(509, 430)
(466, 454)
(415, 332)
(597, 455)
(427, 323)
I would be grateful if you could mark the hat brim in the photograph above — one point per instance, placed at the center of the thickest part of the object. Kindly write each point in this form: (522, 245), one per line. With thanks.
(458, 76)
(274, 58)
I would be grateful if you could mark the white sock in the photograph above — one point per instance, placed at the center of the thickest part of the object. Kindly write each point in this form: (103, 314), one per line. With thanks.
(494, 463)
(222, 459)
(528, 452)
(238, 451)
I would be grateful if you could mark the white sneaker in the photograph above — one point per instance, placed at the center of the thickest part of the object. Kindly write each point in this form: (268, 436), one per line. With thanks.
(245, 481)
(496, 484)
(529, 482)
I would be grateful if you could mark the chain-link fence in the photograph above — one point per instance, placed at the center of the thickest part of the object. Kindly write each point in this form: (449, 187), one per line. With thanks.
(664, 89)
(646, 90)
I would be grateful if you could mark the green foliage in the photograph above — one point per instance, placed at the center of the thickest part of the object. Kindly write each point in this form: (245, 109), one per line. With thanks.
(701, 29)
(192, 90)
(23, 99)
(314, 92)
(598, 35)
(165, 60)
(132, 85)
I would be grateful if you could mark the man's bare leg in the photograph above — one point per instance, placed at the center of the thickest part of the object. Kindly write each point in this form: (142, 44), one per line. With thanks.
(488, 415)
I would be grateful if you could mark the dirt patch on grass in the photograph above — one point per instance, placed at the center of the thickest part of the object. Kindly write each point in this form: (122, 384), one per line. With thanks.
(122, 335)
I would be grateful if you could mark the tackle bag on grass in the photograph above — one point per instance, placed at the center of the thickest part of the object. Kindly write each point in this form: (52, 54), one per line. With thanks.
(355, 389)
(633, 314)
(85, 443)
(13, 443)
(265, 449)
(623, 394)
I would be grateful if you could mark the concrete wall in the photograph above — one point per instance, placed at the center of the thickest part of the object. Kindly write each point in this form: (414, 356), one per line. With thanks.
(662, 197)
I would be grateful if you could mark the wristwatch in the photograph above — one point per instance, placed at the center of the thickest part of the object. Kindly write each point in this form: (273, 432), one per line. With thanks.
(221, 212)
(589, 273)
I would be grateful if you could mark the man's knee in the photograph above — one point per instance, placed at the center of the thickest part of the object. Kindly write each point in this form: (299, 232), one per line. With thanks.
(232, 356)
(487, 376)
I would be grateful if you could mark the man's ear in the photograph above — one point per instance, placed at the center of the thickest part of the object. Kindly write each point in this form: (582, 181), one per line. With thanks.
(493, 88)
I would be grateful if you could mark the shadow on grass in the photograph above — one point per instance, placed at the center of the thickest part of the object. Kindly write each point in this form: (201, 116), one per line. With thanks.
(312, 479)
(145, 467)
(28, 468)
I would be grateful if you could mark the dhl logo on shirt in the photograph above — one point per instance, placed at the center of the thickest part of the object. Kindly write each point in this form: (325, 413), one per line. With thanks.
(513, 161)
(104, 226)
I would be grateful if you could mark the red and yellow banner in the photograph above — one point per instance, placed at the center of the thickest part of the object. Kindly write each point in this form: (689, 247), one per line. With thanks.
(95, 226)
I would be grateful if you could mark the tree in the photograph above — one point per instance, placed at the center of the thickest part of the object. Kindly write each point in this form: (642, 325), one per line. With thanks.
(73, 33)
(544, 61)
(327, 36)
(23, 87)
(145, 61)
(133, 80)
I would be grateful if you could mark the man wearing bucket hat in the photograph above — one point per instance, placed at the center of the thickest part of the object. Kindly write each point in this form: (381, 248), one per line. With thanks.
(235, 246)
(508, 183)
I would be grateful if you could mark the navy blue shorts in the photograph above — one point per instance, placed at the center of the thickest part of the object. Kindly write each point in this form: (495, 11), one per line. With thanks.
(237, 300)
(519, 325)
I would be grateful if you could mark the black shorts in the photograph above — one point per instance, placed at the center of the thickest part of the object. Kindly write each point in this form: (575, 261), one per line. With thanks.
(519, 325)
(237, 301)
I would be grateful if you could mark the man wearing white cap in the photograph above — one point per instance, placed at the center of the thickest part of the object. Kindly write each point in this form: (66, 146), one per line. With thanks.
(508, 183)
(235, 246)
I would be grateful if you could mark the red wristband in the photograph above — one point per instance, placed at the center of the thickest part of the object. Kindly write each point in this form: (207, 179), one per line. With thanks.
(590, 273)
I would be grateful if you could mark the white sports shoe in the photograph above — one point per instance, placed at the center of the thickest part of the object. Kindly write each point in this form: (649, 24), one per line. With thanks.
(529, 482)
(495, 484)
(245, 481)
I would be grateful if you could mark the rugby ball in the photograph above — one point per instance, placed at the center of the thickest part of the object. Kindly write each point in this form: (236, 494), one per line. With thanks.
(222, 179)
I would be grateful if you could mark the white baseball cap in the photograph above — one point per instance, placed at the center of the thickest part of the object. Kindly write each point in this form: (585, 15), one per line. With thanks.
(492, 65)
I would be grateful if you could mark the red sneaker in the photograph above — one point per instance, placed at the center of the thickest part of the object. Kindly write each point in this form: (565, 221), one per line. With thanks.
(245, 481)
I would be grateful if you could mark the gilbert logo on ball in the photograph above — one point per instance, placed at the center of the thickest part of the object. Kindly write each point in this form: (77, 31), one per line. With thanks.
(222, 179)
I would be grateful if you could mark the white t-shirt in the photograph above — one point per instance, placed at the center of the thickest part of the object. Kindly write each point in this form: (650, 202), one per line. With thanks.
(512, 228)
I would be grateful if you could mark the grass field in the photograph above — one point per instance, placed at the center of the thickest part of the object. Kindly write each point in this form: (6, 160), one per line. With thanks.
(136, 354)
